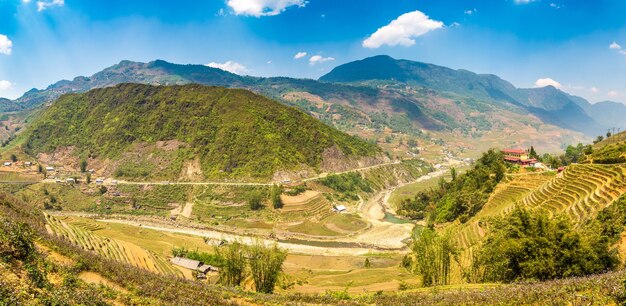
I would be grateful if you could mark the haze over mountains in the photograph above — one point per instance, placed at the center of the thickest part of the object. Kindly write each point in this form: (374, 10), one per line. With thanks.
(412, 90)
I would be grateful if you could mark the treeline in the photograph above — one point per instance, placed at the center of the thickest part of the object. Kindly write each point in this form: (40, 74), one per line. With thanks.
(524, 245)
(612, 153)
(611, 150)
(237, 261)
(347, 184)
(463, 196)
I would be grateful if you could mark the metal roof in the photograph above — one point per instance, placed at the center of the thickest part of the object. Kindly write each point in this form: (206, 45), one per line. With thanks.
(186, 263)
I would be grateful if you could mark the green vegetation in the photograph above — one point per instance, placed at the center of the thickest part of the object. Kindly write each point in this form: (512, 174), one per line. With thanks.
(265, 265)
(234, 133)
(460, 198)
(432, 256)
(275, 192)
(348, 184)
(610, 151)
(255, 201)
(523, 245)
(207, 258)
(233, 271)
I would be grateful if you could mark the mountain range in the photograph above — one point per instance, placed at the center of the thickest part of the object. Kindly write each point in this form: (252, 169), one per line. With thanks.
(374, 93)
(549, 103)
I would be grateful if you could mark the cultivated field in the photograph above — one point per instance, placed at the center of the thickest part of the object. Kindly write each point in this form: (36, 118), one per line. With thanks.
(82, 234)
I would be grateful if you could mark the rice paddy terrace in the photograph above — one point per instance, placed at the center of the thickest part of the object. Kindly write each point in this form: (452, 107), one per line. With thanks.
(83, 234)
(513, 189)
(579, 193)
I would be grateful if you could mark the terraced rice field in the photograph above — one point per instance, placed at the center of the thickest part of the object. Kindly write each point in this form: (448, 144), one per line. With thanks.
(311, 214)
(307, 205)
(580, 192)
(502, 200)
(81, 234)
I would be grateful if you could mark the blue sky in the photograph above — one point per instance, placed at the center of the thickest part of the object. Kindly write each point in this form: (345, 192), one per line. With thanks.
(579, 46)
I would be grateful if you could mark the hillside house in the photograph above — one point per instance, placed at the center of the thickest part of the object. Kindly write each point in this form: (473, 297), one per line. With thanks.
(339, 208)
(194, 265)
(49, 168)
(7, 164)
(518, 156)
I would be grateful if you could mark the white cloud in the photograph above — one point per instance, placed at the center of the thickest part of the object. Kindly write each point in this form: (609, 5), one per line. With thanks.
(594, 89)
(258, 8)
(612, 93)
(402, 30)
(524, 1)
(470, 12)
(299, 55)
(5, 45)
(317, 59)
(26, 1)
(556, 6)
(230, 66)
(44, 5)
(615, 46)
(5, 85)
(547, 82)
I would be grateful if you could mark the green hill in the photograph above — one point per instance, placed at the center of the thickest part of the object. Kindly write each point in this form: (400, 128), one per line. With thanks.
(160, 131)
(370, 108)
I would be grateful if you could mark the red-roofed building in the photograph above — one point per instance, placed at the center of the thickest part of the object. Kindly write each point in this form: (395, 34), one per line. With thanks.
(518, 156)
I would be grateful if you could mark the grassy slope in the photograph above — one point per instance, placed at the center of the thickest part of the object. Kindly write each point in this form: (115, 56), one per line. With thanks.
(235, 133)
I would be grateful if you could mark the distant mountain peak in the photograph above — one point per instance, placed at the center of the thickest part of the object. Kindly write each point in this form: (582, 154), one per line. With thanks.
(549, 103)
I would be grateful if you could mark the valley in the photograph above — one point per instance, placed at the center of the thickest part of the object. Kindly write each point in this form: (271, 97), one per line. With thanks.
(357, 186)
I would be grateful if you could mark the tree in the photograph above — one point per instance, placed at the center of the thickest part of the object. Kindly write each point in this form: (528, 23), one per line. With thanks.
(39, 168)
(233, 271)
(254, 201)
(83, 166)
(13, 158)
(533, 153)
(367, 263)
(527, 245)
(88, 178)
(598, 139)
(265, 265)
(277, 202)
(433, 255)
(453, 173)
(608, 134)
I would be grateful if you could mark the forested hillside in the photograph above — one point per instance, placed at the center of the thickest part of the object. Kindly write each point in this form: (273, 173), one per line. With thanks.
(233, 133)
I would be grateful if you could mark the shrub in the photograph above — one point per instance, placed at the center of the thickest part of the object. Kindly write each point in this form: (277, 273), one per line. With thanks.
(16, 241)
(276, 191)
(255, 201)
